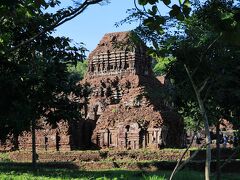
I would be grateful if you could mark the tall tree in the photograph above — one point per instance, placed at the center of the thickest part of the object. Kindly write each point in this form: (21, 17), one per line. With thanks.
(34, 77)
(212, 61)
(203, 52)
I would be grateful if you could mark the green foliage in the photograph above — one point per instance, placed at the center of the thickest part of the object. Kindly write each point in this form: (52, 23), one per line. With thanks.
(77, 72)
(34, 76)
(190, 123)
(4, 157)
(154, 20)
(144, 2)
(224, 18)
(162, 64)
(213, 63)
(204, 43)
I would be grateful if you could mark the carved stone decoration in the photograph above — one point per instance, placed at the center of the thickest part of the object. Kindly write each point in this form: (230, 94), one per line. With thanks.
(119, 57)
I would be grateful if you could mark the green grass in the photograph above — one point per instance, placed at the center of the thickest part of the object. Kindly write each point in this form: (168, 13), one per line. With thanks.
(4, 157)
(57, 174)
(8, 172)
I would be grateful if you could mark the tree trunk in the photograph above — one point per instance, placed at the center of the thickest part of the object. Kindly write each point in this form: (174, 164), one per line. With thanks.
(208, 138)
(34, 153)
(206, 126)
(218, 152)
(85, 106)
(15, 142)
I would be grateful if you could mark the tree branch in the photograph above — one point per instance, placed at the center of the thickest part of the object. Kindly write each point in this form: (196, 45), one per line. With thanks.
(62, 20)
(210, 45)
(204, 84)
(177, 167)
(201, 57)
(139, 10)
(189, 159)
(206, 125)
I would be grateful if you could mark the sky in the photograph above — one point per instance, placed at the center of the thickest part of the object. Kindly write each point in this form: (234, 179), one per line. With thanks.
(90, 26)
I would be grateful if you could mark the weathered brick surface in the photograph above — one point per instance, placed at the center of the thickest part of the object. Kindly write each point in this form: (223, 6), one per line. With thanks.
(127, 101)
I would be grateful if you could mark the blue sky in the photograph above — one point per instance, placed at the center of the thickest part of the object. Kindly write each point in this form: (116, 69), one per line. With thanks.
(97, 20)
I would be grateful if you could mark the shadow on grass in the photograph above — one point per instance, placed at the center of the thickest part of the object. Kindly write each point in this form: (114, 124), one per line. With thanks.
(57, 170)
(28, 166)
(68, 170)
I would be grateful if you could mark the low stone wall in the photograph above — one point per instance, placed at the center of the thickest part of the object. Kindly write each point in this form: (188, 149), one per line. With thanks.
(117, 155)
(130, 165)
(145, 160)
(90, 156)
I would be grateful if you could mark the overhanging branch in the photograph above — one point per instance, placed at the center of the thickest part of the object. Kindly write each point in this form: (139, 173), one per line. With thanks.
(59, 22)
(204, 84)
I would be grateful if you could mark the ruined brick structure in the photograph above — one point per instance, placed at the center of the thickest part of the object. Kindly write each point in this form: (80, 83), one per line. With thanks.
(47, 138)
(126, 108)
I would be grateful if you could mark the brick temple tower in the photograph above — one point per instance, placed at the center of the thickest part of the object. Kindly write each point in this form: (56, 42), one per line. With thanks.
(126, 107)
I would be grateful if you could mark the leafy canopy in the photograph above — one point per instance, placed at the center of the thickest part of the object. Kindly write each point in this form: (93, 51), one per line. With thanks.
(34, 76)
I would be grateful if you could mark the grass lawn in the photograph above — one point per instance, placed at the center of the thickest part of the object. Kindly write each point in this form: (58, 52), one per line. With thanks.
(24, 173)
